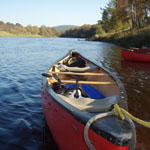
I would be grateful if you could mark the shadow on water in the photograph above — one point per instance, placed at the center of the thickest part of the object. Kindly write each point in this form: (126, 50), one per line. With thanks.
(48, 140)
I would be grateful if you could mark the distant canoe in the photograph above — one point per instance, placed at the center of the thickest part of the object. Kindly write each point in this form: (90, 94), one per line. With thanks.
(71, 96)
(81, 39)
(135, 54)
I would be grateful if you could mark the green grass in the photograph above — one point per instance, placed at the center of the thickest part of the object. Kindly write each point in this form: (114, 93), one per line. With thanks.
(128, 38)
(7, 34)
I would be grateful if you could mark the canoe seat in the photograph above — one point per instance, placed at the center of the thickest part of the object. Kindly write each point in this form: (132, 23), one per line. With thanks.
(92, 105)
(76, 69)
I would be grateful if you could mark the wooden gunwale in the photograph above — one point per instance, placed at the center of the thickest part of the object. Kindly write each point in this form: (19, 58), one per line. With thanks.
(75, 73)
(80, 82)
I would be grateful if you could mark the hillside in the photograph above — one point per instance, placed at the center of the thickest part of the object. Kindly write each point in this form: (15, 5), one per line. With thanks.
(62, 28)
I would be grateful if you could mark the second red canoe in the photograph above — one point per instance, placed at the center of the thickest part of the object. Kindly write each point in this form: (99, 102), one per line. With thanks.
(136, 55)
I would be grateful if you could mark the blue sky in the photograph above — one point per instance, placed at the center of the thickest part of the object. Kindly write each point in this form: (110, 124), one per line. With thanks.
(51, 12)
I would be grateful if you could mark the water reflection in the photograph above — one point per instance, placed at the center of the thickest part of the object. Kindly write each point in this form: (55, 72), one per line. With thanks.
(136, 79)
(136, 66)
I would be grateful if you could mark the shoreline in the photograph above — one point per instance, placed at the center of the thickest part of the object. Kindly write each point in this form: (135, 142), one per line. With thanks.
(128, 38)
(7, 34)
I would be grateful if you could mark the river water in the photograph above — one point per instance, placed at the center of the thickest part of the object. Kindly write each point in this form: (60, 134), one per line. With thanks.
(22, 60)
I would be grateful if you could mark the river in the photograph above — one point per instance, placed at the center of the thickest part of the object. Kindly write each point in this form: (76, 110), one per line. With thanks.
(22, 60)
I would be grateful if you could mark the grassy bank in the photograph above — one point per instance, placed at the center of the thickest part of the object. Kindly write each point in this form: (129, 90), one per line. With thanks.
(7, 34)
(128, 38)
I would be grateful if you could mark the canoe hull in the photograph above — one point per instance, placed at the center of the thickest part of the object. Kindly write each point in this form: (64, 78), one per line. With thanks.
(136, 55)
(67, 121)
(68, 131)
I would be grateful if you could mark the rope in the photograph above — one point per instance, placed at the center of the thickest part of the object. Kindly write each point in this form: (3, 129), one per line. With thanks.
(100, 116)
(133, 141)
(70, 60)
(121, 112)
(88, 124)
(124, 115)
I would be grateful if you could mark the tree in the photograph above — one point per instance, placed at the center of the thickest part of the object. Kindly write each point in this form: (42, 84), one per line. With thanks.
(111, 21)
(135, 11)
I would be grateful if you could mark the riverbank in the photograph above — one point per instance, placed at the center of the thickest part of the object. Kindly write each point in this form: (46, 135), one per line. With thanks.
(7, 34)
(127, 38)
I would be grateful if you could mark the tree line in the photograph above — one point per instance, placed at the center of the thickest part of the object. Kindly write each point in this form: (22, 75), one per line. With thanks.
(29, 30)
(125, 14)
(85, 31)
(117, 16)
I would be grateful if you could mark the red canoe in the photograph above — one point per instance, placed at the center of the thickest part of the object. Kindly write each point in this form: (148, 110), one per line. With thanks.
(73, 96)
(136, 55)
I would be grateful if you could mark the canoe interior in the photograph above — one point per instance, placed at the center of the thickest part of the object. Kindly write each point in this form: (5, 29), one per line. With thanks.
(62, 111)
(103, 81)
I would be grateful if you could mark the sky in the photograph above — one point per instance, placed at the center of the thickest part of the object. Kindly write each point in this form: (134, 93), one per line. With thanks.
(51, 12)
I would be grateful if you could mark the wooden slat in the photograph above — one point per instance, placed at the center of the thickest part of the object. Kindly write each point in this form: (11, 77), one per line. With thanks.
(75, 73)
(81, 82)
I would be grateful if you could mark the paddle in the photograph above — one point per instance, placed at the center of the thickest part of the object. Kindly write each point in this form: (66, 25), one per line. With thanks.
(92, 92)
(46, 75)
(59, 81)
(89, 90)
(77, 79)
(49, 76)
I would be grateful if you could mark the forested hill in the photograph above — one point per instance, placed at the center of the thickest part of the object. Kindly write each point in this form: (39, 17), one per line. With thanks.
(62, 28)
(10, 29)
(85, 31)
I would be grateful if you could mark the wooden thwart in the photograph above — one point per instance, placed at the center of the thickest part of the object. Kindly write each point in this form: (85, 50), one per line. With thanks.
(81, 82)
(75, 73)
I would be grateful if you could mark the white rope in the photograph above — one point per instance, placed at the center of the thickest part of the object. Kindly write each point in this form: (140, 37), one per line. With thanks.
(102, 115)
(133, 142)
(88, 124)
